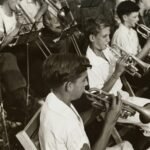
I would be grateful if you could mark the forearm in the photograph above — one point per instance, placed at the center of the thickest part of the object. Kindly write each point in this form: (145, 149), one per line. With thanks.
(144, 52)
(102, 141)
(110, 83)
(6, 41)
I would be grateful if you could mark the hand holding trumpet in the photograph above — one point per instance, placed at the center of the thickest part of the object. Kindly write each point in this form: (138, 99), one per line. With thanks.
(114, 109)
(120, 66)
(131, 62)
(102, 99)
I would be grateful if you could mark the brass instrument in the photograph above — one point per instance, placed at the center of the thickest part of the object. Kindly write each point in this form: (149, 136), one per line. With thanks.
(33, 26)
(143, 30)
(102, 96)
(132, 58)
(57, 10)
(61, 12)
(25, 25)
(28, 20)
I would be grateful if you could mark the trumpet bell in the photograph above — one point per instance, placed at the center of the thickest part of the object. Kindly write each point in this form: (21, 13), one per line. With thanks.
(146, 111)
(143, 30)
(103, 98)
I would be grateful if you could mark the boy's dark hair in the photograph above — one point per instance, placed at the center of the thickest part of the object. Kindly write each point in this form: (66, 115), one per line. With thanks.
(1, 2)
(126, 8)
(137, 1)
(94, 26)
(60, 68)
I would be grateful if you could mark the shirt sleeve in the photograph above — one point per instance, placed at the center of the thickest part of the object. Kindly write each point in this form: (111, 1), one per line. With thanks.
(119, 40)
(1, 29)
(1, 25)
(76, 140)
(95, 78)
(130, 45)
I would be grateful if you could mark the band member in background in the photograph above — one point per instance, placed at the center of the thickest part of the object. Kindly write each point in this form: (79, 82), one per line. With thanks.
(35, 10)
(125, 36)
(61, 26)
(144, 6)
(53, 27)
(105, 72)
(61, 127)
(51, 20)
(8, 23)
(144, 17)
(11, 76)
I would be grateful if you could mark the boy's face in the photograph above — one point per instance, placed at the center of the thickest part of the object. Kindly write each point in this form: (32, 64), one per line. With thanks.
(132, 19)
(12, 4)
(101, 40)
(78, 86)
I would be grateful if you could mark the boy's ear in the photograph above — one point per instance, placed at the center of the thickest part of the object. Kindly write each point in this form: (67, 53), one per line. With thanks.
(124, 17)
(91, 37)
(68, 86)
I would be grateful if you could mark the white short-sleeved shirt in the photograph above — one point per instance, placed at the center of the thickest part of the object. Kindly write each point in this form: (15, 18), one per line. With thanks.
(127, 39)
(32, 9)
(7, 23)
(102, 70)
(61, 127)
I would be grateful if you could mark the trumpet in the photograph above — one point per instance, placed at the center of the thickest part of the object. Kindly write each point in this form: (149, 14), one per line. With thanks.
(143, 30)
(143, 65)
(101, 98)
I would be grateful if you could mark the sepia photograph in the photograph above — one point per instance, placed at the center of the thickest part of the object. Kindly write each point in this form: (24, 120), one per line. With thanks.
(74, 74)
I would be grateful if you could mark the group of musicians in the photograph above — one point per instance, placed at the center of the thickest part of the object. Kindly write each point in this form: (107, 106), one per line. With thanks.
(66, 74)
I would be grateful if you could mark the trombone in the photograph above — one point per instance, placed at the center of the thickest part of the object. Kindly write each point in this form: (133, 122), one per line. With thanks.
(143, 30)
(61, 12)
(33, 27)
(99, 98)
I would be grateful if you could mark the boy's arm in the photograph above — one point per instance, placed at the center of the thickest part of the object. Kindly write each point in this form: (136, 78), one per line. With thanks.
(120, 68)
(8, 38)
(109, 123)
(146, 49)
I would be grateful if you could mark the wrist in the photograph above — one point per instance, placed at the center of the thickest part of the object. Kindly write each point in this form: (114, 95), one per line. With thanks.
(109, 124)
(115, 76)
(110, 121)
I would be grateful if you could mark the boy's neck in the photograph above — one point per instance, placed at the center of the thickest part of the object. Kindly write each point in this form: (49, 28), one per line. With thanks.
(98, 52)
(62, 96)
(127, 25)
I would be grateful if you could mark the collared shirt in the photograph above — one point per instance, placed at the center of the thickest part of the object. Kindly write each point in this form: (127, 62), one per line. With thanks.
(102, 70)
(127, 39)
(61, 127)
(31, 9)
(7, 23)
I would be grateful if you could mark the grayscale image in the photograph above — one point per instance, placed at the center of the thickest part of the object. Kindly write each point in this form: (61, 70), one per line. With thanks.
(74, 74)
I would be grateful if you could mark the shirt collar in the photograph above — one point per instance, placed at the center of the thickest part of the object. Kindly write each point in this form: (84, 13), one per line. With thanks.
(55, 104)
(124, 28)
(93, 57)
